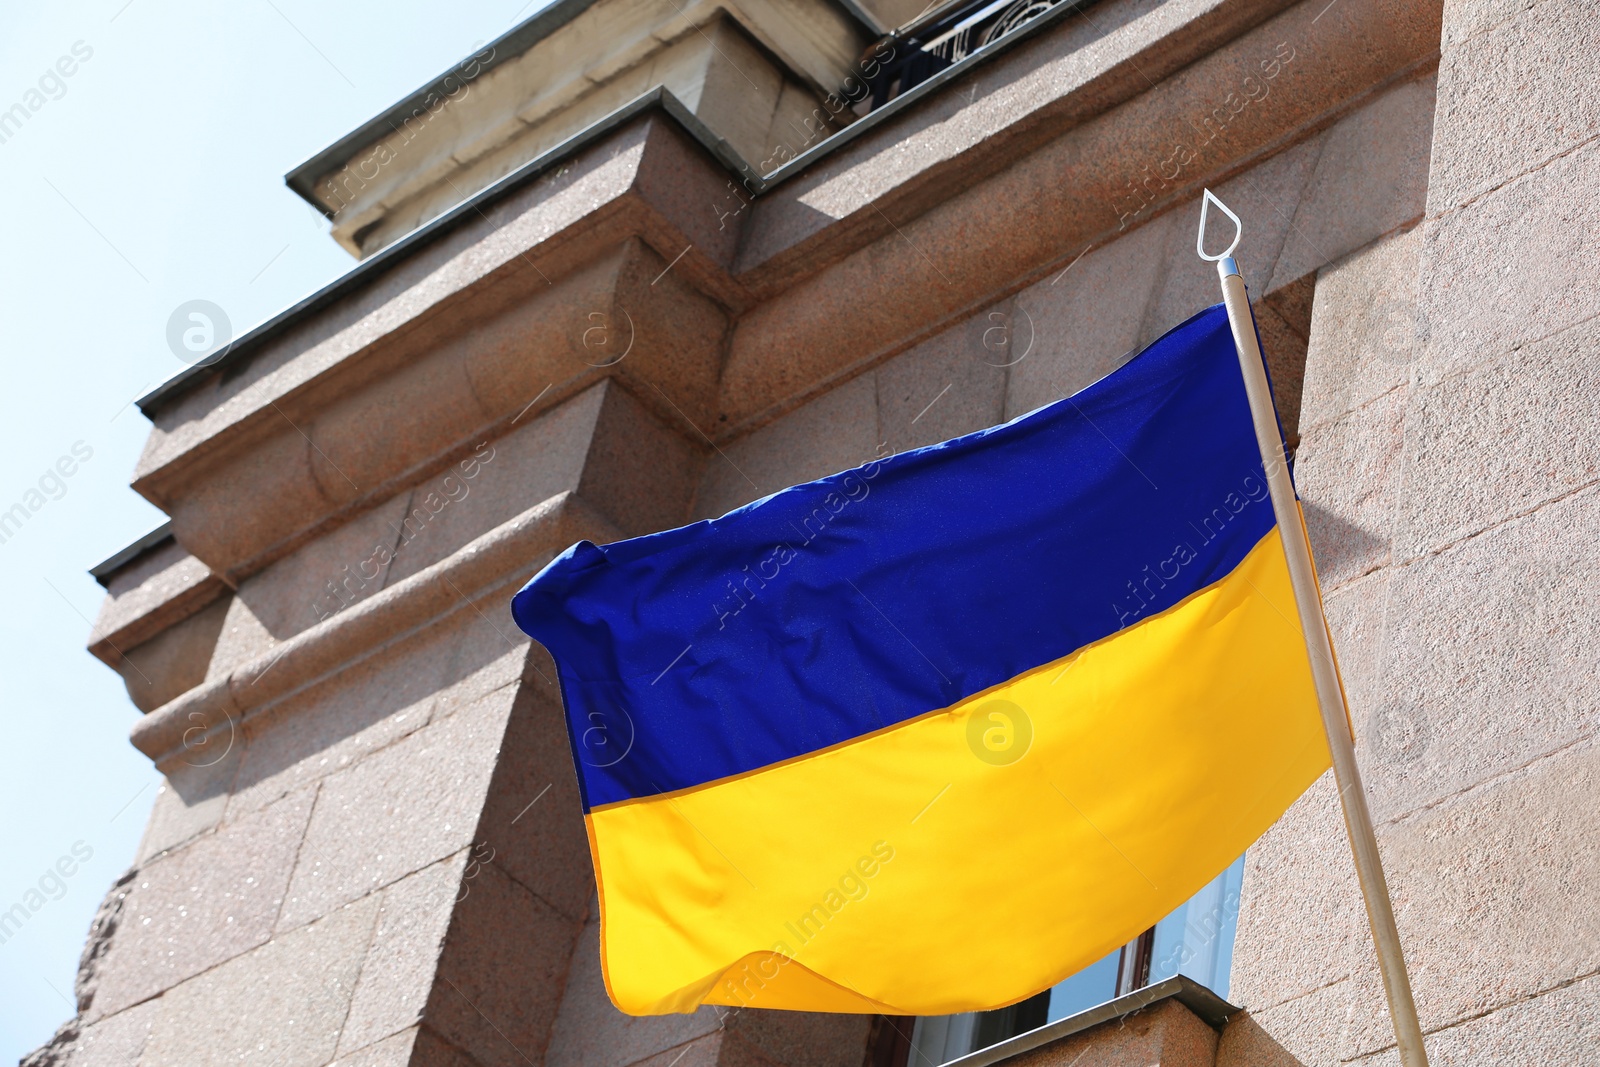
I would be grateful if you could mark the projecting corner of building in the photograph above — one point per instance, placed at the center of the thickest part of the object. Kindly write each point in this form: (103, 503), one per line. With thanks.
(634, 268)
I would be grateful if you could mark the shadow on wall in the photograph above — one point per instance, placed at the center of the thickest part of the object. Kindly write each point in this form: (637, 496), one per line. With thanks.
(1334, 539)
(1245, 1044)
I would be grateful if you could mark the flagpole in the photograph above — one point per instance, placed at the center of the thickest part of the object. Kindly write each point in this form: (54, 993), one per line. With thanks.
(1319, 647)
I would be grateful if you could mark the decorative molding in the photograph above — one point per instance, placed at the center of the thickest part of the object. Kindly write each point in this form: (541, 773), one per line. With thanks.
(482, 569)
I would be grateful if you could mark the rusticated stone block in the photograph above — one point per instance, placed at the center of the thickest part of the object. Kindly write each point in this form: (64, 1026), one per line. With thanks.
(117, 1041)
(416, 1047)
(330, 725)
(503, 971)
(397, 972)
(1366, 329)
(532, 823)
(713, 1050)
(1283, 347)
(1560, 1025)
(799, 1038)
(1245, 1044)
(590, 1032)
(335, 722)
(1489, 654)
(201, 905)
(1463, 18)
(1166, 1034)
(1486, 886)
(92, 960)
(1348, 474)
(1358, 615)
(1482, 885)
(1326, 1027)
(1493, 274)
(490, 653)
(1371, 178)
(1300, 867)
(1084, 320)
(1501, 439)
(195, 793)
(393, 1051)
(949, 385)
(401, 809)
(836, 431)
(1516, 95)
(282, 1003)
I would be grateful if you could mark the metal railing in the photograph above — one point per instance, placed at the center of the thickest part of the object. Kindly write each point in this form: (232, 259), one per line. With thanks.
(942, 38)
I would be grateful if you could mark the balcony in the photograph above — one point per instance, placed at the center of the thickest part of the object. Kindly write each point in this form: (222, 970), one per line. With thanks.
(943, 37)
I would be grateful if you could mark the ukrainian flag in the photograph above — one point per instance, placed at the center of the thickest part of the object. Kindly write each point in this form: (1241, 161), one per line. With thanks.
(932, 734)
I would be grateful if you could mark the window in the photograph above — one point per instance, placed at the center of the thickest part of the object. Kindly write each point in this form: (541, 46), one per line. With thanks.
(1196, 940)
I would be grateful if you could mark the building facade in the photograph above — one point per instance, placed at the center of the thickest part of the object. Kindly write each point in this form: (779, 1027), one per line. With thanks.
(635, 264)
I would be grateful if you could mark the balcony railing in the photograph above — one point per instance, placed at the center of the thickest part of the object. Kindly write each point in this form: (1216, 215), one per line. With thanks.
(944, 37)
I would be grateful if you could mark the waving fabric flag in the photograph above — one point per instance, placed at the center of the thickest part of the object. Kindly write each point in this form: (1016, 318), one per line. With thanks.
(932, 734)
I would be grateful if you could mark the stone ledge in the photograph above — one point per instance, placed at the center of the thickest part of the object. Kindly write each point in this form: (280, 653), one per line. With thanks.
(529, 91)
(913, 152)
(151, 585)
(1204, 1004)
(661, 187)
(577, 210)
(1011, 229)
(1162, 44)
(484, 567)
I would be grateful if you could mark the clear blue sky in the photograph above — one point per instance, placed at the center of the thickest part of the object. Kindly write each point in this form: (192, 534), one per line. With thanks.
(150, 176)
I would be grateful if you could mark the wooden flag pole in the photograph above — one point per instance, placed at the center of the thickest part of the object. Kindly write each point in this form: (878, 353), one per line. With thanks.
(1319, 646)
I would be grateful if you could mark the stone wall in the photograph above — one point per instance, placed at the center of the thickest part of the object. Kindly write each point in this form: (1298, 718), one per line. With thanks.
(369, 849)
(1449, 471)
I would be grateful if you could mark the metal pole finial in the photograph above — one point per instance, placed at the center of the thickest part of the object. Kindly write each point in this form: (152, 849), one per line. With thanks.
(1224, 260)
